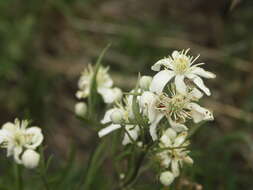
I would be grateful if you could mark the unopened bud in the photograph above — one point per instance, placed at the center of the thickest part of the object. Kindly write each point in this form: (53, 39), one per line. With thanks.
(80, 109)
(166, 178)
(30, 159)
(122, 176)
(171, 133)
(117, 116)
(145, 82)
(188, 160)
(140, 144)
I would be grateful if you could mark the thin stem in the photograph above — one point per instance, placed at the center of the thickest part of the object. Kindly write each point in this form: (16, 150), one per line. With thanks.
(169, 148)
(43, 169)
(135, 172)
(18, 176)
(44, 180)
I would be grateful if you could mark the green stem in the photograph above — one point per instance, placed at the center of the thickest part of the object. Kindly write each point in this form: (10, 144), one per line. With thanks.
(42, 170)
(133, 173)
(18, 177)
(44, 180)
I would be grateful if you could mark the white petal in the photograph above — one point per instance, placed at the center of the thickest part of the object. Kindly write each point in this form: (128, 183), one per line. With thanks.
(175, 167)
(178, 127)
(145, 101)
(9, 127)
(4, 135)
(107, 94)
(108, 83)
(180, 139)
(175, 54)
(180, 85)
(107, 116)
(37, 137)
(10, 149)
(171, 133)
(166, 140)
(201, 72)
(108, 130)
(195, 94)
(153, 126)
(199, 113)
(133, 132)
(199, 82)
(153, 113)
(17, 152)
(160, 80)
(165, 159)
(163, 62)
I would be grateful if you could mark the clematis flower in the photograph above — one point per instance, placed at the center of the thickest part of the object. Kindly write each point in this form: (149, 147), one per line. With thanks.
(177, 108)
(104, 85)
(17, 137)
(174, 151)
(179, 66)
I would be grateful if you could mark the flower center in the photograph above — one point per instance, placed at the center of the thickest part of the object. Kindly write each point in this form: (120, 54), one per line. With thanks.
(181, 65)
(173, 107)
(19, 139)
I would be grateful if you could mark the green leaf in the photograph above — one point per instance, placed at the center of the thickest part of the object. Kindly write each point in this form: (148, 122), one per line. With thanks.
(95, 163)
(136, 108)
(92, 99)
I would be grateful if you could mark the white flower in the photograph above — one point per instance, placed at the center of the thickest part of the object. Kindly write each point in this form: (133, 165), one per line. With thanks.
(30, 159)
(145, 82)
(175, 152)
(80, 109)
(179, 65)
(16, 137)
(104, 85)
(178, 109)
(166, 178)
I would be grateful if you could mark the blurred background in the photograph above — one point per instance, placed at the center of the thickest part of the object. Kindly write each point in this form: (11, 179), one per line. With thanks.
(44, 46)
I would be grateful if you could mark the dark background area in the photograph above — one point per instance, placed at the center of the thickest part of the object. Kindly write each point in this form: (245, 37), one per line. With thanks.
(44, 46)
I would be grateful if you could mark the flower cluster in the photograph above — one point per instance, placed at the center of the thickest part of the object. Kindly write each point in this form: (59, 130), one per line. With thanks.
(160, 111)
(21, 142)
(104, 85)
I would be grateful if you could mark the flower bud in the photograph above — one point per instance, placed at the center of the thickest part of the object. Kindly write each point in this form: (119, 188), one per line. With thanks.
(145, 82)
(30, 159)
(188, 160)
(171, 133)
(80, 109)
(122, 176)
(117, 116)
(166, 178)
